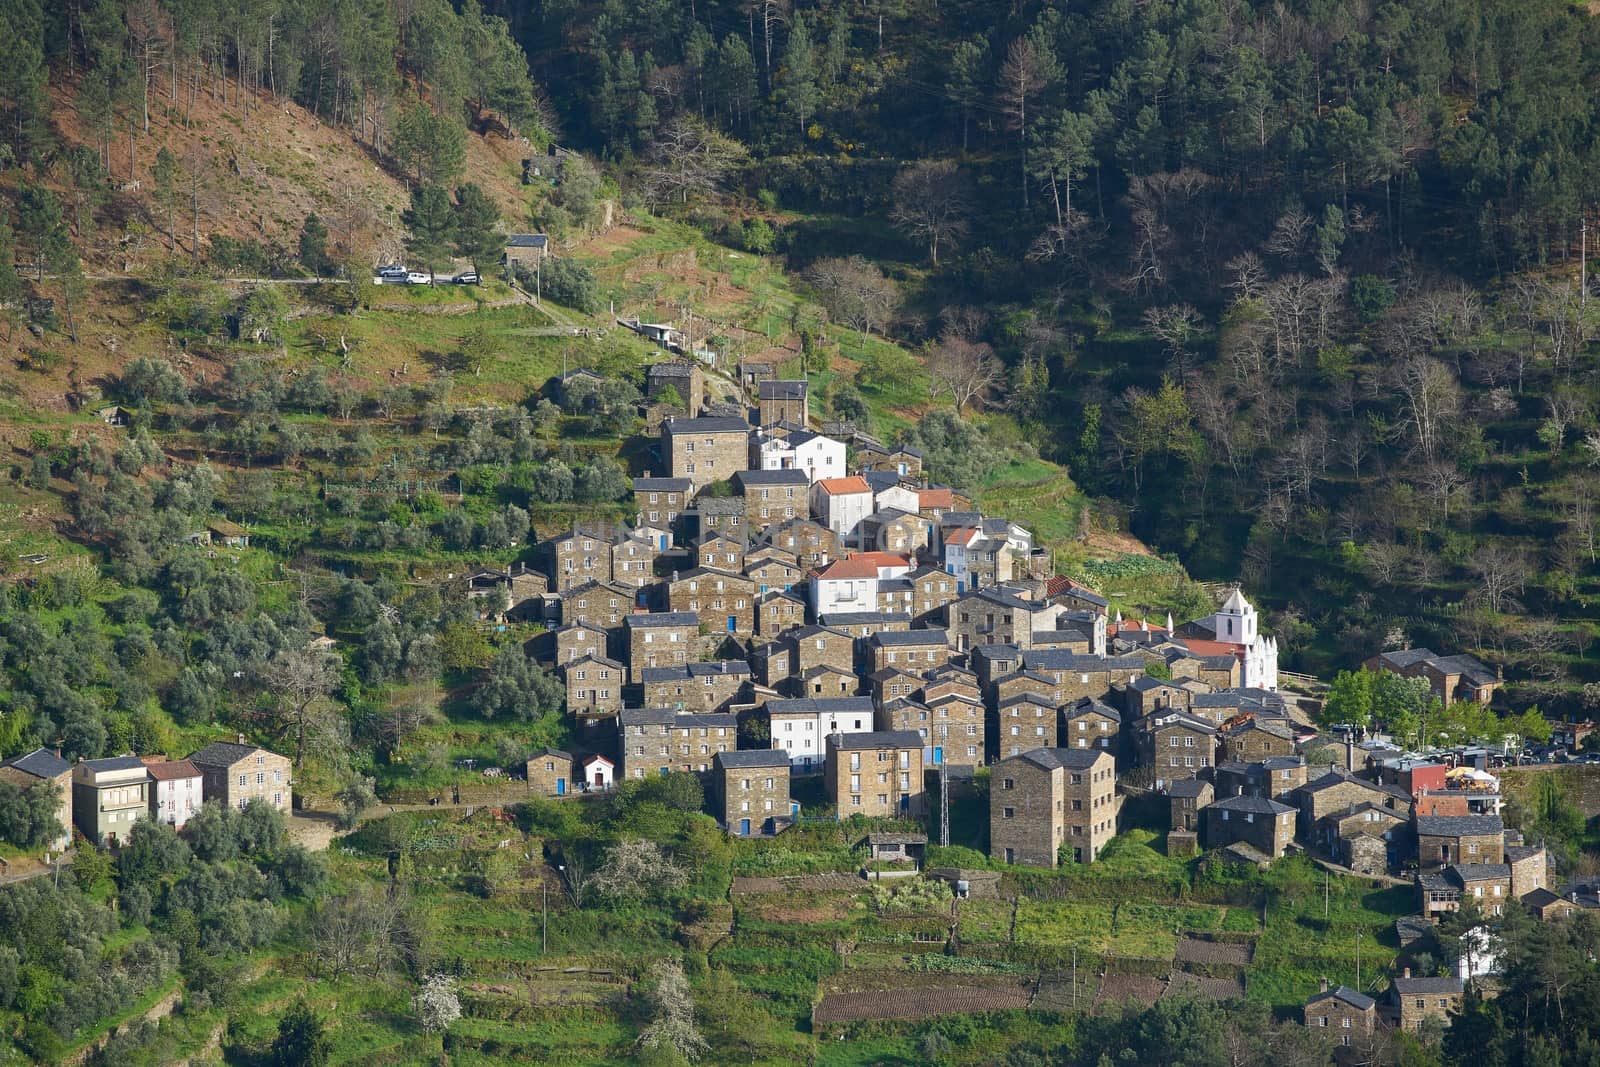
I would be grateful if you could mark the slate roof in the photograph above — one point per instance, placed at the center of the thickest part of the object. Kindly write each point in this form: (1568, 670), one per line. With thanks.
(752, 757)
(1073, 759)
(1483, 872)
(782, 389)
(820, 706)
(1187, 788)
(114, 763)
(1358, 1001)
(1459, 825)
(861, 618)
(1085, 705)
(555, 752)
(662, 485)
(1410, 986)
(706, 424)
(876, 739)
(901, 638)
(1252, 805)
(653, 619)
(1060, 659)
(41, 763)
(527, 240)
(221, 754)
(791, 476)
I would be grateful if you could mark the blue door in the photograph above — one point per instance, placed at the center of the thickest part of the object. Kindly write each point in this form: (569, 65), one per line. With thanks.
(744, 827)
(905, 803)
(938, 754)
(663, 540)
(561, 787)
(733, 623)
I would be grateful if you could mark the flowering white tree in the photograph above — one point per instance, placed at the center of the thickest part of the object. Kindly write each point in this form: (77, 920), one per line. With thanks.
(436, 1003)
(673, 1026)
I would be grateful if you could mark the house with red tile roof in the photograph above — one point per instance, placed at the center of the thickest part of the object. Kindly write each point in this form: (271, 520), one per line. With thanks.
(841, 504)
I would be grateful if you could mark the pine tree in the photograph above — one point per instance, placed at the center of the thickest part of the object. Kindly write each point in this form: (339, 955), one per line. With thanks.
(431, 223)
(476, 217)
(800, 75)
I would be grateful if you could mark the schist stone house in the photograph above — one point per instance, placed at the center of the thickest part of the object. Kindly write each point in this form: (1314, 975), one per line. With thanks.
(41, 765)
(553, 773)
(659, 501)
(752, 790)
(1047, 801)
(237, 773)
(875, 773)
(658, 639)
(658, 740)
(705, 450)
(781, 400)
(1265, 825)
(681, 377)
(575, 557)
(526, 249)
(1451, 678)
(1341, 1015)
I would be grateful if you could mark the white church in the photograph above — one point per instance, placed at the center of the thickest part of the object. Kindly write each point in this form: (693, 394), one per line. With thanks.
(1235, 624)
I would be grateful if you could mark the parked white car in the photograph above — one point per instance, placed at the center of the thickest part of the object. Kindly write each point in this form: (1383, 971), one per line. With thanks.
(416, 277)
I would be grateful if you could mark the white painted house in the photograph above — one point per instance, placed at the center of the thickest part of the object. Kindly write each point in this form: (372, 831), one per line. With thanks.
(800, 727)
(178, 792)
(820, 457)
(851, 584)
(841, 504)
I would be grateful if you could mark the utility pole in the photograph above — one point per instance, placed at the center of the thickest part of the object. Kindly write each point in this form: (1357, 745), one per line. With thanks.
(1358, 961)
(944, 807)
(1583, 263)
(1325, 879)
(544, 932)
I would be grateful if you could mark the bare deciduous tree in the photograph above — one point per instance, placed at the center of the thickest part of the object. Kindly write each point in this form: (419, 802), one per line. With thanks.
(855, 293)
(302, 678)
(688, 159)
(966, 369)
(931, 201)
(1432, 398)
(1500, 571)
(1028, 70)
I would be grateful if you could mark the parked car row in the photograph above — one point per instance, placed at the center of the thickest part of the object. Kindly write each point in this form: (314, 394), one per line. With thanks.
(399, 274)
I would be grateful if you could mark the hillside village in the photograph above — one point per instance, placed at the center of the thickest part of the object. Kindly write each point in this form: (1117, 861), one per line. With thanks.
(798, 611)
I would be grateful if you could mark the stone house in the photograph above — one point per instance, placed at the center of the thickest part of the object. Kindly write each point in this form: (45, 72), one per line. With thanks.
(723, 600)
(574, 641)
(1443, 840)
(893, 530)
(1413, 1000)
(773, 496)
(1023, 722)
(1176, 745)
(633, 562)
(605, 604)
(1263, 824)
(799, 726)
(1548, 906)
(177, 789)
(896, 596)
(875, 773)
(932, 590)
(917, 650)
(683, 378)
(576, 557)
(1187, 799)
(1441, 890)
(1363, 854)
(865, 625)
(1047, 803)
(1364, 819)
(1078, 676)
(715, 550)
(594, 686)
(996, 616)
(1339, 790)
(499, 592)
(1016, 683)
(892, 683)
(237, 773)
(1146, 696)
(525, 249)
(552, 773)
(1451, 678)
(902, 460)
(780, 400)
(108, 797)
(1530, 868)
(659, 501)
(44, 766)
(657, 740)
(659, 639)
(1246, 738)
(725, 513)
(777, 611)
(1341, 1015)
(751, 790)
(705, 450)
(1276, 777)
(812, 646)
(952, 731)
(1090, 723)
(771, 569)
(824, 680)
(810, 542)
(696, 687)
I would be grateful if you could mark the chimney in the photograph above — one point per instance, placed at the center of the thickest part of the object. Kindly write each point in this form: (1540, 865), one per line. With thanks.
(240, 737)
(1323, 985)
(1406, 973)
